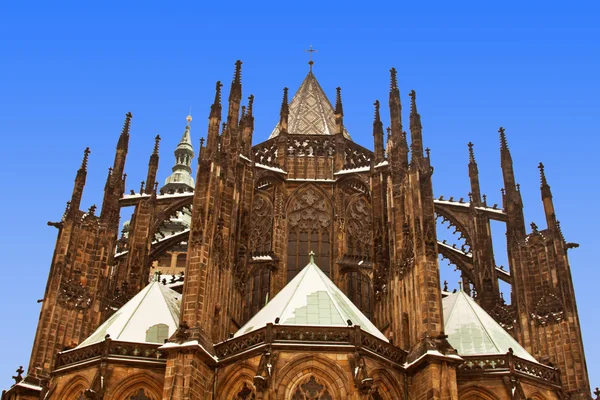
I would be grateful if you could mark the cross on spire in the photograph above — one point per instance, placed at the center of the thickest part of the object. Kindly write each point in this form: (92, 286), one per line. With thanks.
(310, 52)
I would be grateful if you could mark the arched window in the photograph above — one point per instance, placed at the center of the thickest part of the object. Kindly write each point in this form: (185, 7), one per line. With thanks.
(245, 393)
(157, 333)
(139, 395)
(311, 389)
(309, 229)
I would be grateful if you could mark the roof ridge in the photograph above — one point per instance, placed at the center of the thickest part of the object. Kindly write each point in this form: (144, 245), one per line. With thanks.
(139, 303)
(490, 338)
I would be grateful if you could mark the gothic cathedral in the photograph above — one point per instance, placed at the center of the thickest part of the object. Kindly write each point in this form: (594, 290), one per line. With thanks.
(302, 267)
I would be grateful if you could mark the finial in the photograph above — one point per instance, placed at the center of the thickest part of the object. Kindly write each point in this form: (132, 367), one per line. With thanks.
(428, 152)
(157, 140)
(389, 132)
(312, 257)
(543, 175)
(338, 101)
(413, 102)
(534, 227)
(250, 104)
(503, 143)
(218, 93)
(377, 115)
(445, 286)
(284, 102)
(84, 162)
(393, 79)
(471, 153)
(460, 288)
(237, 77)
(310, 51)
(188, 119)
(92, 210)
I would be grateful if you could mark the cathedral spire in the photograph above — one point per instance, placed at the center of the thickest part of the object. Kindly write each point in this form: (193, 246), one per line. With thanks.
(115, 184)
(153, 166)
(395, 105)
(181, 178)
(378, 135)
(474, 177)
(512, 198)
(80, 179)
(339, 112)
(547, 199)
(416, 135)
(214, 123)
(248, 128)
(235, 96)
(284, 112)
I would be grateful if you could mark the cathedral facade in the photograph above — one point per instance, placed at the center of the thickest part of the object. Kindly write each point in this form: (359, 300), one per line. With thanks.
(302, 267)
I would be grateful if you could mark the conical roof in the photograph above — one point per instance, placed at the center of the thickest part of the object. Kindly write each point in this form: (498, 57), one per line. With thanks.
(311, 299)
(155, 304)
(311, 112)
(472, 331)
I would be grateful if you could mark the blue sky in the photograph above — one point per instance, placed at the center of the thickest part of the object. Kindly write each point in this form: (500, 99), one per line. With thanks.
(69, 71)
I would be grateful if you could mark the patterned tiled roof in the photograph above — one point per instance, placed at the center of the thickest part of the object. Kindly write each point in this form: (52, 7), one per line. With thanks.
(311, 112)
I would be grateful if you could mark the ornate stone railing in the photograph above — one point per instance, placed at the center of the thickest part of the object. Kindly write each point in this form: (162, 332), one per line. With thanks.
(110, 348)
(285, 335)
(509, 364)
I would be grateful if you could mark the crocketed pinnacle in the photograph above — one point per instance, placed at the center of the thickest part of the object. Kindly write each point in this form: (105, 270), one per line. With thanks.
(285, 109)
(123, 142)
(471, 153)
(84, 162)
(393, 79)
(377, 115)
(413, 103)
(339, 109)
(250, 104)
(215, 108)
(543, 175)
(157, 142)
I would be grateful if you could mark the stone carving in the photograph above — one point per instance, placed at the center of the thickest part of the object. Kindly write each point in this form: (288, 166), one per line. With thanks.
(261, 227)
(264, 372)
(74, 295)
(311, 389)
(309, 212)
(140, 395)
(218, 251)
(362, 381)
(548, 309)
(245, 393)
(359, 229)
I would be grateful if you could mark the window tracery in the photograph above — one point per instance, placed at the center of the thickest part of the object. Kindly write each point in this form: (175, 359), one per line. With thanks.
(261, 228)
(311, 389)
(309, 229)
(245, 393)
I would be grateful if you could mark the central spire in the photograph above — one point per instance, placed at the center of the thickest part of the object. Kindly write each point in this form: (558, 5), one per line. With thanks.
(310, 111)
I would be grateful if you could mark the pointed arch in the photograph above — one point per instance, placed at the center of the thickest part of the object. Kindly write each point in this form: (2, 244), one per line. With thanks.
(386, 385)
(237, 379)
(309, 213)
(300, 370)
(476, 393)
(130, 387)
(74, 388)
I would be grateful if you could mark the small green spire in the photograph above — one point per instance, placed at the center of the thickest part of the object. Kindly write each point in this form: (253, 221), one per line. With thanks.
(312, 257)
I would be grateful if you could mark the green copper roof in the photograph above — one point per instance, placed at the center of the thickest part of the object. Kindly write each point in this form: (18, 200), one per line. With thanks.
(472, 331)
(311, 299)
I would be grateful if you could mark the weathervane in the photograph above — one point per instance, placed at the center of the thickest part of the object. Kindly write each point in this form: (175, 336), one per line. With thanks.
(310, 51)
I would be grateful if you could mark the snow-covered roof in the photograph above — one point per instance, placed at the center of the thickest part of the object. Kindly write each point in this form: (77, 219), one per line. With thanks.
(472, 331)
(311, 299)
(352, 170)
(155, 304)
